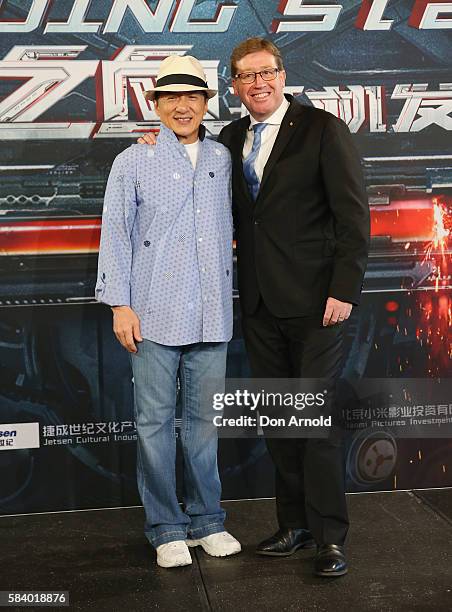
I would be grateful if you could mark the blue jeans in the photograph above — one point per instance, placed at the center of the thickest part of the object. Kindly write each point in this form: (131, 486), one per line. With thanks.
(155, 370)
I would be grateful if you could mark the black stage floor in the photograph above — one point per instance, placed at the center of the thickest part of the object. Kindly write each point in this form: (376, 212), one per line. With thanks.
(399, 549)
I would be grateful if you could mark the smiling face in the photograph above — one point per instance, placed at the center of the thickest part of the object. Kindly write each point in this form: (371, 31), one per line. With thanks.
(182, 112)
(261, 98)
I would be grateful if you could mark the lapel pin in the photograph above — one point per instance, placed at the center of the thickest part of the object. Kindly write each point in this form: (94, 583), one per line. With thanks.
(291, 123)
(211, 174)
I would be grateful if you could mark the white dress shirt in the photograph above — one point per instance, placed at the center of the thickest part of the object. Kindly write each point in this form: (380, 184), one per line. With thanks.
(268, 137)
(166, 240)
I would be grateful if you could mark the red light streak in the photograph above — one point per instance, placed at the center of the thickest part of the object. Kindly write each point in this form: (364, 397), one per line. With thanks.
(403, 220)
(50, 236)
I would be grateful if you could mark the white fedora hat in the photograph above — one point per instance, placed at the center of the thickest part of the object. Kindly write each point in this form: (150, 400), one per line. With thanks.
(180, 73)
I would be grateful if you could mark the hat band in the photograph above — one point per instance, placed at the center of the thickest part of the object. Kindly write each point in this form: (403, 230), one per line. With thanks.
(181, 79)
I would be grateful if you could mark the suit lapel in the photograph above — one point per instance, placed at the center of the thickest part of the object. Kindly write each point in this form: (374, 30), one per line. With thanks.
(236, 152)
(288, 128)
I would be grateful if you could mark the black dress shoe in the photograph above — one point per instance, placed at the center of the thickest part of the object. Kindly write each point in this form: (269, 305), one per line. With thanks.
(330, 560)
(285, 542)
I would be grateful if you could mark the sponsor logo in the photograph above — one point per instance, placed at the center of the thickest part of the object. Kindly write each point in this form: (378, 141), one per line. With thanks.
(14, 436)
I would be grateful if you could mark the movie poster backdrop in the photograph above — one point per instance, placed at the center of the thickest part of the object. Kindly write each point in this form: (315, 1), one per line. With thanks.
(72, 79)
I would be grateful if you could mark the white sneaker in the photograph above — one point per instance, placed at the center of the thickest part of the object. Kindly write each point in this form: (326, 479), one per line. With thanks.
(173, 554)
(220, 544)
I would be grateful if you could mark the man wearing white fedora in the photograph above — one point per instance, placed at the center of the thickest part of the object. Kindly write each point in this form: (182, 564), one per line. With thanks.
(165, 268)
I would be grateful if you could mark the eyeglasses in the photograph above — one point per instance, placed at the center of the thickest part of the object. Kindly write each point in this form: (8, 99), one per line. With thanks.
(269, 74)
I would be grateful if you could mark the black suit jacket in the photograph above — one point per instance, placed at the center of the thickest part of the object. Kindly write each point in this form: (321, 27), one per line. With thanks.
(306, 236)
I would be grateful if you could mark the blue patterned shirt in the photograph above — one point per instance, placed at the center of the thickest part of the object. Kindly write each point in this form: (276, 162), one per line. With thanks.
(166, 241)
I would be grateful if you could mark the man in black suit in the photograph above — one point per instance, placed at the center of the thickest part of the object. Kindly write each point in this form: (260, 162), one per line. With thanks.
(302, 228)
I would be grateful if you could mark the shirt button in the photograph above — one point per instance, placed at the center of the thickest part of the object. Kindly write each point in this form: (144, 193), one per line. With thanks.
(203, 269)
(198, 210)
(205, 299)
(176, 176)
(257, 222)
(146, 243)
(199, 239)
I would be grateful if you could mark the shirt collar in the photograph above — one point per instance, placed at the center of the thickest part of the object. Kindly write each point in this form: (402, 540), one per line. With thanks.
(274, 119)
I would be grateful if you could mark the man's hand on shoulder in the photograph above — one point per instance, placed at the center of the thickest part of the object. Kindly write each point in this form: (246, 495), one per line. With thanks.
(336, 311)
(150, 139)
(126, 326)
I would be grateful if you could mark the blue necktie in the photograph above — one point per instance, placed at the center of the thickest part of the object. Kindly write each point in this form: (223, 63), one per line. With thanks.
(248, 163)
